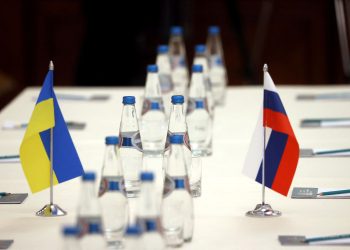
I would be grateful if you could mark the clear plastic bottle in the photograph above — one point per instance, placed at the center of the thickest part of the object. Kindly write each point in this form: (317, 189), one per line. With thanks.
(177, 207)
(148, 216)
(153, 119)
(89, 208)
(178, 125)
(198, 118)
(130, 147)
(111, 195)
(177, 51)
(133, 237)
(94, 239)
(165, 75)
(202, 59)
(214, 45)
(70, 238)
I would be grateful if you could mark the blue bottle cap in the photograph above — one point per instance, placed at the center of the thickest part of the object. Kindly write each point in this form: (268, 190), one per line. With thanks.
(176, 30)
(179, 184)
(198, 68)
(177, 99)
(128, 99)
(155, 106)
(199, 104)
(200, 48)
(113, 185)
(153, 68)
(71, 231)
(133, 230)
(151, 225)
(94, 228)
(146, 176)
(112, 140)
(214, 30)
(176, 139)
(163, 49)
(89, 176)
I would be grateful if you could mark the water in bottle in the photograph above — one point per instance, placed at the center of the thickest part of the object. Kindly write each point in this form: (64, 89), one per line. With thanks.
(177, 207)
(198, 118)
(148, 216)
(70, 238)
(94, 239)
(202, 59)
(132, 237)
(165, 75)
(130, 147)
(89, 208)
(218, 73)
(153, 119)
(177, 52)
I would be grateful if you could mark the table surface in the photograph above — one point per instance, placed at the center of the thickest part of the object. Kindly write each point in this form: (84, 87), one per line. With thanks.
(220, 221)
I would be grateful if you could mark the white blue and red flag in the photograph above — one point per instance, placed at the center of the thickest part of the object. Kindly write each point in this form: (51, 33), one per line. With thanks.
(281, 145)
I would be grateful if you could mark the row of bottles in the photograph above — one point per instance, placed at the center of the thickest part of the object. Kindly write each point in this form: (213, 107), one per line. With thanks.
(173, 70)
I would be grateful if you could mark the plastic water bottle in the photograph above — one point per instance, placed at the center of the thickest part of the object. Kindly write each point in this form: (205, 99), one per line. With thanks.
(153, 118)
(198, 118)
(165, 75)
(214, 45)
(133, 237)
(178, 125)
(89, 208)
(202, 59)
(111, 194)
(130, 147)
(177, 52)
(177, 207)
(149, 214)
(94, 239)
(70, 238)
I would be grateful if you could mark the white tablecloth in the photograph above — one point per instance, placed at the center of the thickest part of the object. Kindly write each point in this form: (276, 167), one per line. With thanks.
(220, 221)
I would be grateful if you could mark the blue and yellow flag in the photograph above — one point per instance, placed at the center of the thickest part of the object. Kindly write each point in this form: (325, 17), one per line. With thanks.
(35, 147)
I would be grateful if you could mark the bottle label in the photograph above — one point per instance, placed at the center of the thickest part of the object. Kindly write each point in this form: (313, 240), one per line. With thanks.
(105, 185)
(176, 182)
(215, 60)
(147, 105)
(191, 106)
(166, 83)
(84, 223)
(185, 136)
(130, 140)
(149, 224)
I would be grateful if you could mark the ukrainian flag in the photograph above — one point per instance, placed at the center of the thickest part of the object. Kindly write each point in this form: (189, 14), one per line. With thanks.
(35, 147)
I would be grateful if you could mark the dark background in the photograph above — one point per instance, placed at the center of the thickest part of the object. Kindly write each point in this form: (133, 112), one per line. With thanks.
(110, 43)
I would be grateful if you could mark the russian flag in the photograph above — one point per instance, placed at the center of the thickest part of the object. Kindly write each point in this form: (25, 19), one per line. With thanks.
(281, 145)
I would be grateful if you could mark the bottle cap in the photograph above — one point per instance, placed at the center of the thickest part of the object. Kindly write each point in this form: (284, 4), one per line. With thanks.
(197, 68)
(133, 230)
(176, 30)
(200, 48)
(155, 106)
(112, 140)
(94, 228)
(177, 99)
(113, 185)
(176, 139)
(214, 30)
(128, 99)
(89, 176)
(199, 104)
(71, 231)
(151, 225)
(153, 68)
(179, 184)
(146, 176)
(163, 49)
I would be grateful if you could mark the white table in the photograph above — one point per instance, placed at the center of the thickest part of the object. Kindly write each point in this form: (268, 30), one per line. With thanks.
(220, 221)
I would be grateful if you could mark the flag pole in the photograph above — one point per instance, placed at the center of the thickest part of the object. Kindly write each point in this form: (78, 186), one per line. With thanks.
(263, 209)
(51, 210)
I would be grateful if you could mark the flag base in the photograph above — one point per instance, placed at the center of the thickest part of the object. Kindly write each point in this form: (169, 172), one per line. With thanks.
(263, 210)
(51, 210)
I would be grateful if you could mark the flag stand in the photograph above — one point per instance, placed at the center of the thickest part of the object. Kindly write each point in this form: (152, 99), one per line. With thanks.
(263, 209)
(51, 210)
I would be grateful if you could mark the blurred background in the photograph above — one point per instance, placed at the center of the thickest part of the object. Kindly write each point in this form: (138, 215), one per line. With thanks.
(109, 43)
